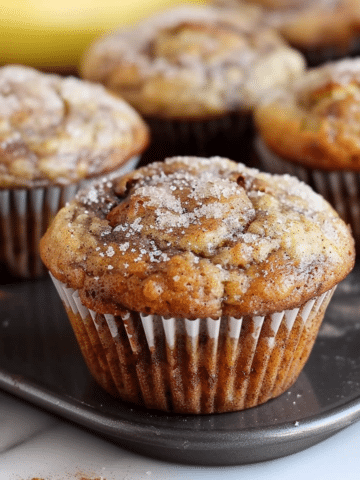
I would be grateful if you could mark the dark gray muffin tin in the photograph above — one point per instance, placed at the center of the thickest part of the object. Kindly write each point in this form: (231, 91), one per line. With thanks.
(40, 362)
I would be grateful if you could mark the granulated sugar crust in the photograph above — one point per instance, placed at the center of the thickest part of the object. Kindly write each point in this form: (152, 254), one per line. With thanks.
(196, 237)
(193, 62)
(56, 130)
(315, 120)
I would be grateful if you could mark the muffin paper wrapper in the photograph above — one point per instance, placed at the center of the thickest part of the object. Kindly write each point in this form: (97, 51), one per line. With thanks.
(316, 57)
(195, 366)
(341, 188)
(227, 136)
(25, 214)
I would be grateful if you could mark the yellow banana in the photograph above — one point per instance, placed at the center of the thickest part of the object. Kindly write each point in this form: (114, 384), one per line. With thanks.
(52, 34)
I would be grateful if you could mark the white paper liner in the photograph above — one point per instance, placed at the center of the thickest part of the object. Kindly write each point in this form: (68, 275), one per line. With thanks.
(24, 217)
(340, 188)
(157, 343)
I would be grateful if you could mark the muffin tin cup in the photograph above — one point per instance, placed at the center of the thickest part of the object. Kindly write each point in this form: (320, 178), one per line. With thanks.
(226, 136)
(341, 188)
(25, 214)
(195, 366)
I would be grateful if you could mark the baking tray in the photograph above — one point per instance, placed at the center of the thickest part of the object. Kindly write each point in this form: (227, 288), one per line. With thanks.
(41, 363)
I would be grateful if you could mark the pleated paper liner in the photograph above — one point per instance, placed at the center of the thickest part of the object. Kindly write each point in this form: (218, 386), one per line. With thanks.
(228, 136)
(341, 188)
(195, 366)
(25, 215)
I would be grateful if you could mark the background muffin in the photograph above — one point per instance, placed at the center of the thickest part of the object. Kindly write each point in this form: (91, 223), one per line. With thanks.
(197, 285)
(195, 74)
(55, 134)
(311, 128)
(322, 30)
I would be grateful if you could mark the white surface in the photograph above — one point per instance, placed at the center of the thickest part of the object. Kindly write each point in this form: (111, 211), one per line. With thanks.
(34, 444)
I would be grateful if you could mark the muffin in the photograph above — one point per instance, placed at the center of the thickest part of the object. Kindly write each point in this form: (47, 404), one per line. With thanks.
(322, 30)
(197, 285)
(56, 134)
(310, 128)
(194, 73)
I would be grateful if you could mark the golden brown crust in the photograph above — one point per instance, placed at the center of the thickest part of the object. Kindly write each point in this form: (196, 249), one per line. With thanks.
(56, 130)
(192, 62)
(315, 121)
(198, 238)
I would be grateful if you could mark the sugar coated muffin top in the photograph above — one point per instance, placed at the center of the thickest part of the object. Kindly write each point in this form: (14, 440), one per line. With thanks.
(315, 120)
(194, 237)
(56, 130)
(192, 62)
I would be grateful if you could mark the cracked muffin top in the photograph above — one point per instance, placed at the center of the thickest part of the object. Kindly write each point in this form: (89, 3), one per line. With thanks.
(192, 62)
(315, 120)
(56, 130)
(194, 237)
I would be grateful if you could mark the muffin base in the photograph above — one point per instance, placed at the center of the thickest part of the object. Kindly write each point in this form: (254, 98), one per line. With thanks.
(341, 188)
(317, 56)
(25, 215)
(195, 366)
(228, 136)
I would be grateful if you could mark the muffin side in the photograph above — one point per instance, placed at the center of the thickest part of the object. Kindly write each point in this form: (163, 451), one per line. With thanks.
(196, 366)
(197, 285)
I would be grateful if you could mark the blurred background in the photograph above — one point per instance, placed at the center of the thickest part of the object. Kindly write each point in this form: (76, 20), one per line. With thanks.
(52, 34)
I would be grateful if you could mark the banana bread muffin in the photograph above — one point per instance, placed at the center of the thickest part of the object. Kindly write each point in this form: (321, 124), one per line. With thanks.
(195, 73)
(197, 285)
(55, 134)
(310, 128)
(322, 30)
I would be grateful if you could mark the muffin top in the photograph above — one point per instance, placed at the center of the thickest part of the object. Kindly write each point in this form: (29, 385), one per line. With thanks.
(309, 24)
(192, 62)
(194, 238)
(56, 130)
(315, 120)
